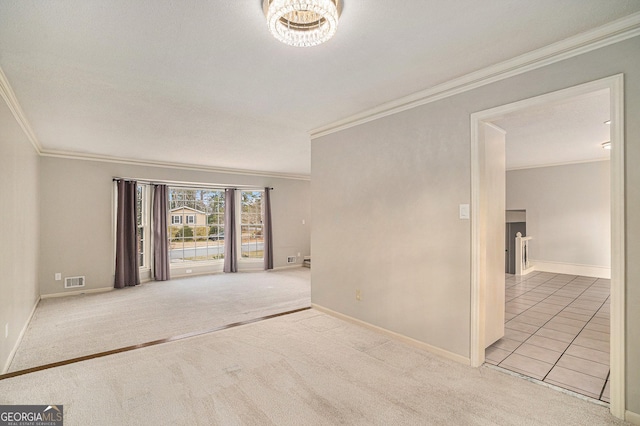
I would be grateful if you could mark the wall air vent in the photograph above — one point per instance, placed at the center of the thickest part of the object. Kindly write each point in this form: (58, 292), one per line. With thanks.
(291, 259)
(73, 282)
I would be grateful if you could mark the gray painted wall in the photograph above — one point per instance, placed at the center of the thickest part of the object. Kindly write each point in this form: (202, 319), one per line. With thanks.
(76, 216)
(385, 215)
(568, 211)
(19, 291)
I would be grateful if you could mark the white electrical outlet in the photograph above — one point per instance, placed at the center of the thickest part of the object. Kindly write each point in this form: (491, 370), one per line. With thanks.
(358, 295)
(188, 271)
(58, 276)
(6, 330)
(303, 221)
(298, 254)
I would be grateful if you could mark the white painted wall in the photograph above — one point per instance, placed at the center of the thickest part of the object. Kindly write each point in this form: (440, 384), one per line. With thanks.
(76, 216)
(19, 191)
(568, 213)
(385, 198)
(514, 216)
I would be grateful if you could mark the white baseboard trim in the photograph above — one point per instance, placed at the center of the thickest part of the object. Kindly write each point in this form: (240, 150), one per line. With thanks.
(413, 342)
(243, 269)
(76, 292)
(280, 268)
(251, 268)
(177, 275)
(571, 269)
(20, 336)
(527, 271)
(631, 417)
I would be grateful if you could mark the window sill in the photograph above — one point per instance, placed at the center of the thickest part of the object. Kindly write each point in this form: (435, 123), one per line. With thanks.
(193, 264)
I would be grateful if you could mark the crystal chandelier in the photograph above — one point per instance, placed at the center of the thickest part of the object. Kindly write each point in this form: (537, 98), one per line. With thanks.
(302, 23)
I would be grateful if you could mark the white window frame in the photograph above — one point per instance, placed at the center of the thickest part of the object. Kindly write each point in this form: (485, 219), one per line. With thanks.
(189, 220)
(207, 266)
(247, 262)
(146, 228)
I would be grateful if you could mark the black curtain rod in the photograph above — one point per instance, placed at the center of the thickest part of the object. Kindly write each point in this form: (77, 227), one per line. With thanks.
(185, 185)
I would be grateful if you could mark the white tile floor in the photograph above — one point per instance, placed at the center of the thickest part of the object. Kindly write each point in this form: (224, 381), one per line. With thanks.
(557, 331)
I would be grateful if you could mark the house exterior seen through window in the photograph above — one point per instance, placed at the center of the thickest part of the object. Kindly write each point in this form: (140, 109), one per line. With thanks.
(251, 225)
(195, 226)
(196, 232)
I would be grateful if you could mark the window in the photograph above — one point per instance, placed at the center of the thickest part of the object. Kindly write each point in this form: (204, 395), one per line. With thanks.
(251, 228)
(201, 236)
(141, 222)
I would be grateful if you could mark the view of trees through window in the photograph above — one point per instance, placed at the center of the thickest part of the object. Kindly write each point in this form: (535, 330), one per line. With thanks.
(251, 227)
(196, 224)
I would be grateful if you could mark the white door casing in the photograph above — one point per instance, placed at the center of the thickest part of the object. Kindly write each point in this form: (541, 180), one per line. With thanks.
(615, 86)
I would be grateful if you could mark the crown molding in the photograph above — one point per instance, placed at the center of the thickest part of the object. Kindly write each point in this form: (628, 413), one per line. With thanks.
(12, 102)
(564, 163)
(169, 165)
(614, 32)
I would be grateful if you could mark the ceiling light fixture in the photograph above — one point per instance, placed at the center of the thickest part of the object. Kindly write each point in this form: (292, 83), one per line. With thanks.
(606, 145)
(302, 23)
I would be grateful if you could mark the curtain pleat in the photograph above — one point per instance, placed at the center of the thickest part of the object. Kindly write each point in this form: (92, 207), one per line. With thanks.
(127, 267)
(230, 249)
(161, 265)
(268, 234)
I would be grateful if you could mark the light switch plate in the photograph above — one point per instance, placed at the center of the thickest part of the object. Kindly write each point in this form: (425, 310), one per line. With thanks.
(464, 211)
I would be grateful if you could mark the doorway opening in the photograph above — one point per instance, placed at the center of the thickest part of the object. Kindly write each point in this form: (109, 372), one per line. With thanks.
(516, 223)
(482, 288)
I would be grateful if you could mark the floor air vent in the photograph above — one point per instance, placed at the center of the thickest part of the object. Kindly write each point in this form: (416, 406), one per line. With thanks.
(72, 282)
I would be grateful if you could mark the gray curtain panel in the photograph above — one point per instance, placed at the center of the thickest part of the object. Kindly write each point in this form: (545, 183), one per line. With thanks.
(127, 240)
(230, 249)
(268, 234)
(160, 238)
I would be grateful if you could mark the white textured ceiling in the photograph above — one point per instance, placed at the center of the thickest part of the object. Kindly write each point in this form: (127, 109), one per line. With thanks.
(204, 83)
(570, 131)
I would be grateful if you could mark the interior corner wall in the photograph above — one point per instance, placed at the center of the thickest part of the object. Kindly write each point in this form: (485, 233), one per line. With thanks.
(385, 198)
(77, 236)
(568, 212)
(19, 292)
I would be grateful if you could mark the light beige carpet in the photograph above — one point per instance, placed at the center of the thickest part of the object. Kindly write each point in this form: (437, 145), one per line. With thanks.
(301, 369)
(69, 327)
